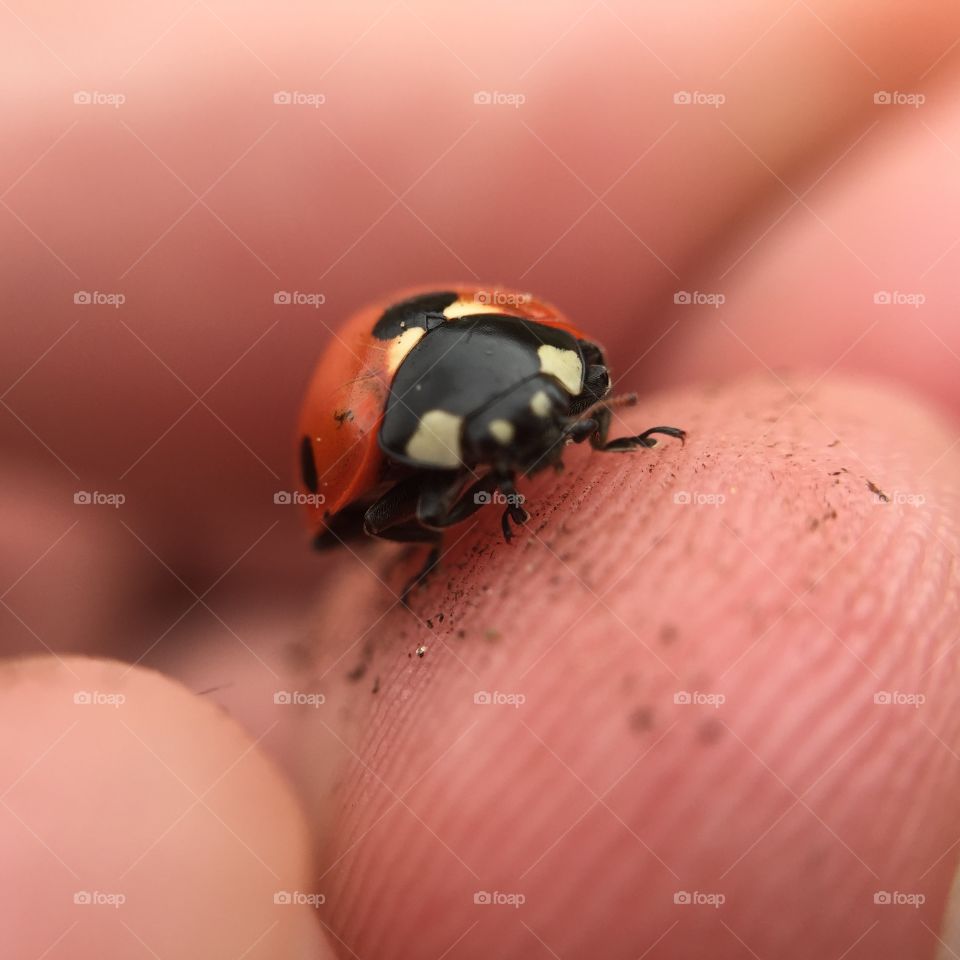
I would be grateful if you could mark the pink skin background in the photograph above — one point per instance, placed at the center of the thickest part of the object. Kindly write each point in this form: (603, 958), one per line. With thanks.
(798, 597)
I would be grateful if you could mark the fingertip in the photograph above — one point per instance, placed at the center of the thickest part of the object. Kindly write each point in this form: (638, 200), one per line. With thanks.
(137, 817)
(564, 739)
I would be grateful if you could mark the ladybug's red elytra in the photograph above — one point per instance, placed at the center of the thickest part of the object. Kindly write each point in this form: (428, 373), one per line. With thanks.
(419, 411)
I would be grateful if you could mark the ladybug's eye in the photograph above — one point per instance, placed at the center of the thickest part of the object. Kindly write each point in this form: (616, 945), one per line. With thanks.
(308, 466)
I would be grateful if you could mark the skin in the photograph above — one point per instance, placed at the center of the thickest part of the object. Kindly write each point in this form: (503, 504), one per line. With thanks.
(798, 598)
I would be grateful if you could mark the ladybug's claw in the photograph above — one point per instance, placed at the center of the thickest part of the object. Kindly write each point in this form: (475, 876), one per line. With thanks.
(518, 515)
(644, 439)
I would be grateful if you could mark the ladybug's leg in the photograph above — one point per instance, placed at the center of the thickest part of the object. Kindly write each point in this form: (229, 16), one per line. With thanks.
(581, 430)
(599, 440)
(513, 511)
(433, 558)
(393, 517)
(642, 439)
(436, 510)
(397, 509)
(447, 506)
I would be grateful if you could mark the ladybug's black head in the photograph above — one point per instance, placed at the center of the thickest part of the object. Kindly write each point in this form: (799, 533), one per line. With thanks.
(521, 430)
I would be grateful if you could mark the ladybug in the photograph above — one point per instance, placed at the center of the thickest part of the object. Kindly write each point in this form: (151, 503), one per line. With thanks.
(422, 411)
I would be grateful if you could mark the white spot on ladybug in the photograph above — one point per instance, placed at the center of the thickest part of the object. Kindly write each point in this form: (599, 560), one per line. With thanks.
(501, 430)
(540, 403)
(565, 365)
(436, 442)
(468, 307)
(401, 346)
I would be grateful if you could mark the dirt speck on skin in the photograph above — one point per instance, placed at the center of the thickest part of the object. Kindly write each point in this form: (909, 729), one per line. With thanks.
(641, 720)
(834, 443)
(815, 522)
(668, 634)
(299, 656)
(357, 673)
(709, 732)
(874, 489)
(376, 684)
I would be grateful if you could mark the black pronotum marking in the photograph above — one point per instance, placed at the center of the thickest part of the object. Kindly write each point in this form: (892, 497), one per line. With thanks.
(308, 466)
